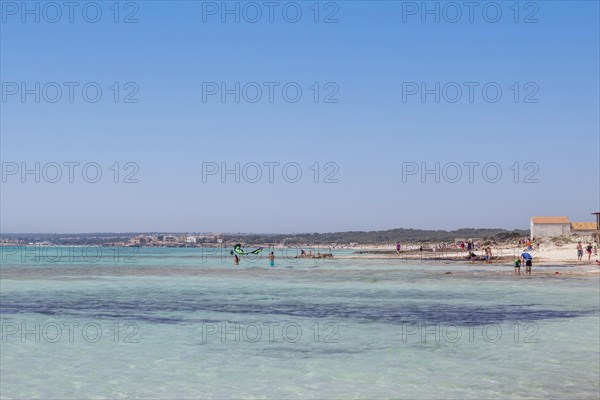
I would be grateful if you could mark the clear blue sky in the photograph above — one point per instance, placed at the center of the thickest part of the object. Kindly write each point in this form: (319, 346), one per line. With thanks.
(368, 133)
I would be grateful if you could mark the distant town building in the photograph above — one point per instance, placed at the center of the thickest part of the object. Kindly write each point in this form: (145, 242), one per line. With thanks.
(190, 239)
(546, 227)
(138, 240)
(169, 238)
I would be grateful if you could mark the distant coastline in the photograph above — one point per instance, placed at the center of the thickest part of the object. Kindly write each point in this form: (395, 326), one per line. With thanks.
(204, 239)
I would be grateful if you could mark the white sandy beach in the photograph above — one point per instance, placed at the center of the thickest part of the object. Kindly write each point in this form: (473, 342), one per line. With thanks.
(547, 254)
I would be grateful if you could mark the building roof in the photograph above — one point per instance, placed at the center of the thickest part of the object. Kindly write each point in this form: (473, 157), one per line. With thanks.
(550, 220)
(583, 226)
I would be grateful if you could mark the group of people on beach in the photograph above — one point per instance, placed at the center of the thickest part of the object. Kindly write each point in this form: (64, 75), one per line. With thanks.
(487, 256)
(588, 250)
(526, 259)
(469, 246)
(529, 243)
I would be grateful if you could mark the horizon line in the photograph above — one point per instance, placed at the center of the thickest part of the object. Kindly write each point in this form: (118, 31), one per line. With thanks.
(249, 233)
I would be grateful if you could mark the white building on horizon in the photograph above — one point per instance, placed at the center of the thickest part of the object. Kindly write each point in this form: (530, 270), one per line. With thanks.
(190, 239)
(547, 227)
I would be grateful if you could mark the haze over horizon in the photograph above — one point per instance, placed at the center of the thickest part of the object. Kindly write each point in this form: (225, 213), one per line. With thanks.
(252, 233)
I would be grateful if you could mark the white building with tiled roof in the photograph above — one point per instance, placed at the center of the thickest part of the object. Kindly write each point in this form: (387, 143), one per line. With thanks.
(545, 227)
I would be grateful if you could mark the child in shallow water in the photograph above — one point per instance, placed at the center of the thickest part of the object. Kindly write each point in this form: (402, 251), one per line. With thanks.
(272, 259)
(517, 267)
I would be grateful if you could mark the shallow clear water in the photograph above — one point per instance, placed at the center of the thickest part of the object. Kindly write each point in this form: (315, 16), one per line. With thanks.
(184, 323)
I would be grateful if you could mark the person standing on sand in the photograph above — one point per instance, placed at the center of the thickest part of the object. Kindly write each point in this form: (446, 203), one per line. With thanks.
(271, 259)
(488, 255)
(579, 251)
(588, 250)
(398, 248)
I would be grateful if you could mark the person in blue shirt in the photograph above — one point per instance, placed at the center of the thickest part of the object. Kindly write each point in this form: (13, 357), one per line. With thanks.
(528, 261)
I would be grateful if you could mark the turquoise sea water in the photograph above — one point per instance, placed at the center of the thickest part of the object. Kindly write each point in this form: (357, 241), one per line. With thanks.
(186, 323)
